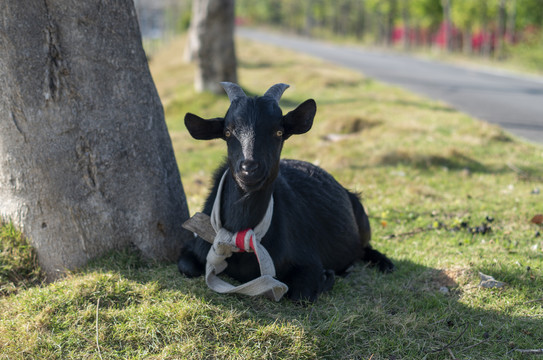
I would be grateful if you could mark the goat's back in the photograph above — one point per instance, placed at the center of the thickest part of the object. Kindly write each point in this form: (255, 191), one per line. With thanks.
(315, 215)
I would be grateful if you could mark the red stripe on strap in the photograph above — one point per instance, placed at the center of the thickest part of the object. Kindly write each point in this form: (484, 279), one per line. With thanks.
(240, 240)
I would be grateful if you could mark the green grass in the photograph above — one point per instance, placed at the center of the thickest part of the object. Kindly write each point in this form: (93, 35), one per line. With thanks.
(523, 59)
(423, 169)
(528, 55)
(18, 262)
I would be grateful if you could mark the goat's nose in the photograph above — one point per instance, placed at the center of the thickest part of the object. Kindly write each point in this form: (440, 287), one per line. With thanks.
(249, 166)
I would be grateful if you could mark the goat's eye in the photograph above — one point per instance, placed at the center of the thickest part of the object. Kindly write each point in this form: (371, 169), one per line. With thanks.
(227, 133)
(279, 133)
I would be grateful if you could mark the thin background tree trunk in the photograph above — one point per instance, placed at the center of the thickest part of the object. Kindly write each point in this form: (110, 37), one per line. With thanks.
(447, 24)
(502, 27)
(86, 162)
(406, 25)
(211, 44)
(511, 22)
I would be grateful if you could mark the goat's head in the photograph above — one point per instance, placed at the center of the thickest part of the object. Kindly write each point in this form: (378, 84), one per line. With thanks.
(254, 130)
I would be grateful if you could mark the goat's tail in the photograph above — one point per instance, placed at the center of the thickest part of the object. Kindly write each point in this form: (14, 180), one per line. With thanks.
(361, 219)
(369, 255)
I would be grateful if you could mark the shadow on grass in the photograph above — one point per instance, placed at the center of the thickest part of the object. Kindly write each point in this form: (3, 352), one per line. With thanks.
(348, 83)
(417, 312)
(454, 161)
(19, 268)
(427, 105)
(253, 65)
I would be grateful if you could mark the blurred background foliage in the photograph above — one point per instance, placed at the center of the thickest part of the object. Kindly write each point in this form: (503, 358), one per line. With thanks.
(493, 29)
(483, 27)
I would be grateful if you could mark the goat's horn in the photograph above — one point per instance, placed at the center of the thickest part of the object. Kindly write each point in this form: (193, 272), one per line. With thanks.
(276, 91)
(233, 91)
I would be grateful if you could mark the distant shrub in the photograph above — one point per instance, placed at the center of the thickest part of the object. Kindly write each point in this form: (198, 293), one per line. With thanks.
(529, 53)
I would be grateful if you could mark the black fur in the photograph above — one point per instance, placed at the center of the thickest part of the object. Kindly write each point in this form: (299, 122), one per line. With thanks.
(318, 228)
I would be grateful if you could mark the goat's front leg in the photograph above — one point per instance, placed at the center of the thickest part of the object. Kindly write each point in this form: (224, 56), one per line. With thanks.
(192, 260)
(306, 283)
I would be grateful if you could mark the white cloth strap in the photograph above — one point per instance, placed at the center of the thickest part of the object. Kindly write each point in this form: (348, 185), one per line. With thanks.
(225, 243)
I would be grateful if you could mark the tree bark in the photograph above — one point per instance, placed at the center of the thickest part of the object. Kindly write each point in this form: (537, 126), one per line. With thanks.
(486, 45)
(512, 22)
(447, 24)
(211, 44)
(502, 26)
(391, 18)
(406, 25)
(86, 162)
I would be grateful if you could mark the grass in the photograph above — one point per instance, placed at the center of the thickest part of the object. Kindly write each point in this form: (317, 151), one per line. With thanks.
(429, 176)
(522, 59)
(18, 261)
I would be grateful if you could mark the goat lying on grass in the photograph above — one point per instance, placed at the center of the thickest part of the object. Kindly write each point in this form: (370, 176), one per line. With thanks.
(318, 228)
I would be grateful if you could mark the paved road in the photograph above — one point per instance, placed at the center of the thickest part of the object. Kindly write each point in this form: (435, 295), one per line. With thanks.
(513, 102)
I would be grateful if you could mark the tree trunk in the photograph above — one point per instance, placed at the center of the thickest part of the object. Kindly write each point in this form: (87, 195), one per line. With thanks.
(86, 162)
(391, 18)
(406, 28)
(447, 24)
(502, 24)
(381, 26)
(211, 44)
(486, 45)
(309, 18)
(360, 20)
(512, 22)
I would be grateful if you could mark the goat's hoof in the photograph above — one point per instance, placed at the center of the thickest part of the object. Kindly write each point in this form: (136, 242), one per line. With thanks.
(189, 267)
(328, 280)
(378, 260)
(386, 266)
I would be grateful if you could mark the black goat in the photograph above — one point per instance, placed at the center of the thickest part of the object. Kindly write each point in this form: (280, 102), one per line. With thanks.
(318, 228)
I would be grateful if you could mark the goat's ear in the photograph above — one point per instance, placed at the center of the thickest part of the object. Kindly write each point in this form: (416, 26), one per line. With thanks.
(202, 129)
(300, 120)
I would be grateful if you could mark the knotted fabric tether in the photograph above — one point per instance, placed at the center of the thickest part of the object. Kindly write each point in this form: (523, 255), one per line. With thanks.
(225, 243)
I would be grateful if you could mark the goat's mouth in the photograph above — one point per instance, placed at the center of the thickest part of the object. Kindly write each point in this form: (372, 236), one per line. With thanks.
(250, 183)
